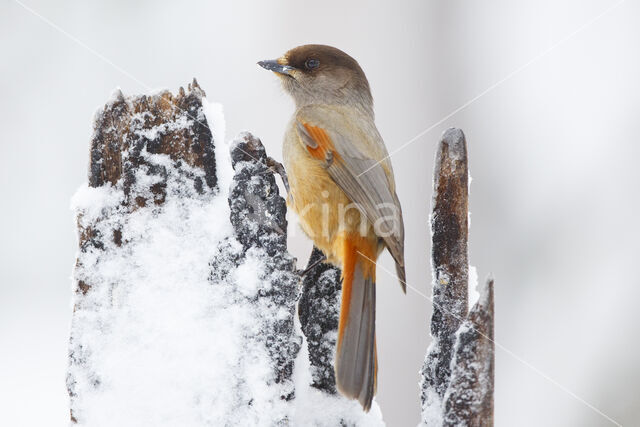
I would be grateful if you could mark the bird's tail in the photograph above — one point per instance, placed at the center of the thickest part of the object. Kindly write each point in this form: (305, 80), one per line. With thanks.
(356, 363)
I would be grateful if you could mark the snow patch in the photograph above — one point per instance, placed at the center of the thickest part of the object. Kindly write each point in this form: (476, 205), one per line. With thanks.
(474, 293)
(314, 407)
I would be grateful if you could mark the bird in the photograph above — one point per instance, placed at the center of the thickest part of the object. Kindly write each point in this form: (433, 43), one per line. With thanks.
(341, 186)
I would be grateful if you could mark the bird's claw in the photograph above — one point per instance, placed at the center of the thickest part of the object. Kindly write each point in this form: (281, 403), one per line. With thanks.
(277, 167)
(312, 266)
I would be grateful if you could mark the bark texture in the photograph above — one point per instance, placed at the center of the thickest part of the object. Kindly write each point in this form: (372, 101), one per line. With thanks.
(319, 312)
(159, 124)
(449, 259)
(457, 375)
(258, 216)
(469, 398)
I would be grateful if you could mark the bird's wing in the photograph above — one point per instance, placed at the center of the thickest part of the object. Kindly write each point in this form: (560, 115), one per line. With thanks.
(356, 160)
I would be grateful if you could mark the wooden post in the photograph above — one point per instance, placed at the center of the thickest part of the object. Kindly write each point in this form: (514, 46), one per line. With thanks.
(448, 373)
(469, 398)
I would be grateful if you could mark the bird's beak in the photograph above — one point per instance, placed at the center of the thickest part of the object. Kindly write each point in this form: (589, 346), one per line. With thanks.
(276, 67)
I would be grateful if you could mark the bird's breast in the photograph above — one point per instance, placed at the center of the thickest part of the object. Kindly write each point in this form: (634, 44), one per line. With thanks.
(323, 209)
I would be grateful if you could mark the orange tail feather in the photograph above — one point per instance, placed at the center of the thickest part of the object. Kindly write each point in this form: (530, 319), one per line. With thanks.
(356, 364)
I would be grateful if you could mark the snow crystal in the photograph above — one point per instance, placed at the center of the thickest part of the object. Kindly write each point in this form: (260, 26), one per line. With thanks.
(248, 275)
(94, 202)
(432, 409)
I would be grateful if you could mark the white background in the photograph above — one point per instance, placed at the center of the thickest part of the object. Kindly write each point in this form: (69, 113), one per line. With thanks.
(554, 152)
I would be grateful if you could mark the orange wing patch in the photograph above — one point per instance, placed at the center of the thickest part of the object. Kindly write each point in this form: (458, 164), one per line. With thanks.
(325, 148)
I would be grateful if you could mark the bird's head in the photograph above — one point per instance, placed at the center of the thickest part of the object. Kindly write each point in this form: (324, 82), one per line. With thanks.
(319, 74)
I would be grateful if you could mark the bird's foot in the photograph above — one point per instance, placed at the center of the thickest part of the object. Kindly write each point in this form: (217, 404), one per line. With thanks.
(277, 167)
(312, 266)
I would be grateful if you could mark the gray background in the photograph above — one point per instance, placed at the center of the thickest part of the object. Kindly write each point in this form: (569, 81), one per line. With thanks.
(553, 151)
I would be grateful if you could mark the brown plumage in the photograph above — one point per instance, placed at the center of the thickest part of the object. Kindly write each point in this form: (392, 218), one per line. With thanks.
(343, 190)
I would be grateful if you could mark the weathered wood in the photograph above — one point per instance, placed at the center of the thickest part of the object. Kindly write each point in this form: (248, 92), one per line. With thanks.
(159, 124)
(457, 376)
(319, 312)
(126, 129)
(258, 216)
(469, 398)
(449, 259)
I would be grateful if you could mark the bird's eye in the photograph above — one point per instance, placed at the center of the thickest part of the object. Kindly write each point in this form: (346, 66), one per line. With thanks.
(311, 64)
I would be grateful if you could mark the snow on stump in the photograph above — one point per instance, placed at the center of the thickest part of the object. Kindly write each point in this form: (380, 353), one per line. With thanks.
(184, 292)
(180, 317)
(457, 376)
(319, 312)
(267, 274)
(258, 218)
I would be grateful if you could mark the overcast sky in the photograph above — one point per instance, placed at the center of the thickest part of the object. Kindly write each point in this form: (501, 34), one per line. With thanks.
(547, 93)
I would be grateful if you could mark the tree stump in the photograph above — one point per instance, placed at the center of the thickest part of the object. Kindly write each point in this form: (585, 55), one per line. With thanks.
(457, 375)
